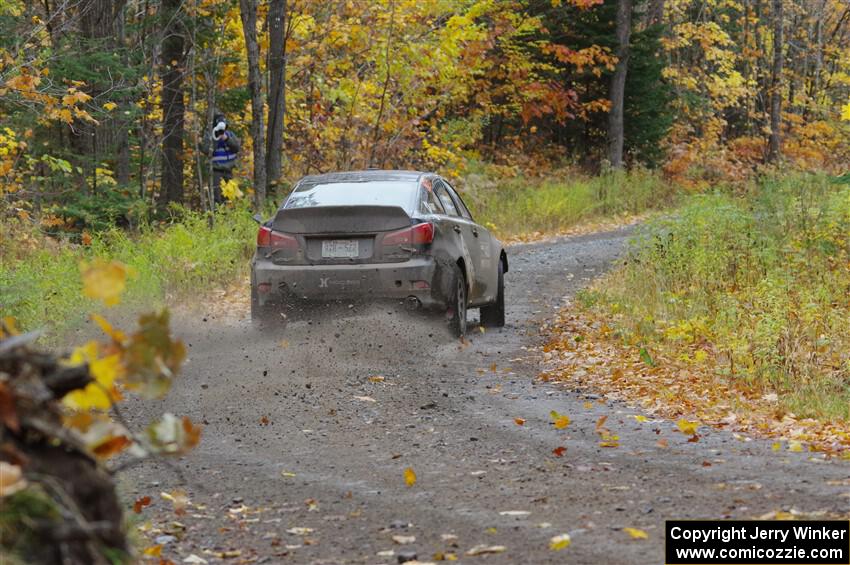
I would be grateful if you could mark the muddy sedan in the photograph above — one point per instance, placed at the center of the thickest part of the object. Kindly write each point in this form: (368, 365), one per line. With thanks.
(373, 235)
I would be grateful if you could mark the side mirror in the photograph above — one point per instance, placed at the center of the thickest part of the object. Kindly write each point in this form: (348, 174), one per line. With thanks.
(258, 218)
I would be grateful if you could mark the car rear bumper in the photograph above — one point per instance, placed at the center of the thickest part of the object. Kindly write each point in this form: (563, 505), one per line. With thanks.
(372, 281)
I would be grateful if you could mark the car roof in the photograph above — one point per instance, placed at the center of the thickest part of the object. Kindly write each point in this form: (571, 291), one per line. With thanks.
(362, 176)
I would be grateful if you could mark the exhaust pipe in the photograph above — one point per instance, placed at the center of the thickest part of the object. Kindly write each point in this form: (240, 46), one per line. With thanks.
(412, 303)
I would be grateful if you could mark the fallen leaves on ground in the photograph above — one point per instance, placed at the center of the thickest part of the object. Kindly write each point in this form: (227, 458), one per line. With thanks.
(560, 421)
(687, 427)
(519, 421)
(140, 503)
(584, 352)
(559, 451)
(404, 540)
(557, 543)
(409, 477)
(484, 549)
(635, 533)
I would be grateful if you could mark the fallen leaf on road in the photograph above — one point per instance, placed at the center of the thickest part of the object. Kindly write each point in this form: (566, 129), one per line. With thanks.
(636, 533)
(662, 443)
(776, 446)
(640, 418)
(600, 423)
(299, 531)
(484, 549)
(514, 513)
(287, 474)
(588, 405)
(386, 553)
(560, 420)
(557, 543)
(687, 427)
(141, 503)
(153, 551)
(409, 477)
(264, 421)
(795, 446)
(365, 398)
(194, 559)
(610, 441)
(404, 540)
(519, 421)
(559, 451)
(448, 556)
(178, 499)
(377, 379)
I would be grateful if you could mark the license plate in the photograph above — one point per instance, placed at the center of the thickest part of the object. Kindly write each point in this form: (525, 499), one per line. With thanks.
(337, 248)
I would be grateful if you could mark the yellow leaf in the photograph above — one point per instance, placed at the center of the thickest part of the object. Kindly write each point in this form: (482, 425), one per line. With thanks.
(560, 420)
(107, 328)
(153, 551)
(776, 446)
(636, 533)
(109, 106)
(557, 543)
(104, 280)
(845, 112)
(686, 427)
(409, 477)
(795, 446)
(230, 190)
(641, 418)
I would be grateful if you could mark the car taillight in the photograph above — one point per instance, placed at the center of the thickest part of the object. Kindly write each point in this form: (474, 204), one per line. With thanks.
(416, 235)
(267, 237)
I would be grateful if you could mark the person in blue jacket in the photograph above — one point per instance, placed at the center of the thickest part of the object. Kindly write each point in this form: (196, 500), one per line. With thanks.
(224, 154)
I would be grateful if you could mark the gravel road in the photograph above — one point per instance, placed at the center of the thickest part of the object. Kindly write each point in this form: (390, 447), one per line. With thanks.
(297, 437)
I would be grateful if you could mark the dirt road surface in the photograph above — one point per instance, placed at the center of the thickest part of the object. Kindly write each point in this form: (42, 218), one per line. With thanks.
(303, 456)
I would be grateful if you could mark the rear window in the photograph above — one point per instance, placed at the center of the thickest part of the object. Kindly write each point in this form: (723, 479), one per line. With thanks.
(374, 193)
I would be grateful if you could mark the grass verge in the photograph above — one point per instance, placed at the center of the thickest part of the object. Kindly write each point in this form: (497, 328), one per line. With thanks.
(517, 207)
(40, 279)
(734, 301)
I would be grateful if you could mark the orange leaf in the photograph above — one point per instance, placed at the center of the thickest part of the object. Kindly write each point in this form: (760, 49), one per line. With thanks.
(193, 433)
(141, 503)
(409, 477)
(559, 451)
(112, 446)
(519, 421)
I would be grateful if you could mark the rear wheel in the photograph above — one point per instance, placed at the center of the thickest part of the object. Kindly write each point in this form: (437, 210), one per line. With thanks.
(457, 303)
(493, 315)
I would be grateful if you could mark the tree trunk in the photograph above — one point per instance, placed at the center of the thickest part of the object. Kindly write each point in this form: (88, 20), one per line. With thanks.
(101, 29)
(277, 91)
(248, 12)
(618, 85)
(173, 59)
(775, 141)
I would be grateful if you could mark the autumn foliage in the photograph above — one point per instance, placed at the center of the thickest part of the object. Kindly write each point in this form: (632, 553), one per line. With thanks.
(62, 430)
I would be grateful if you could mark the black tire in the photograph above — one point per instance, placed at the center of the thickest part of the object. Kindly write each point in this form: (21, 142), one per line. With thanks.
(493, 315)
(457, 302)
